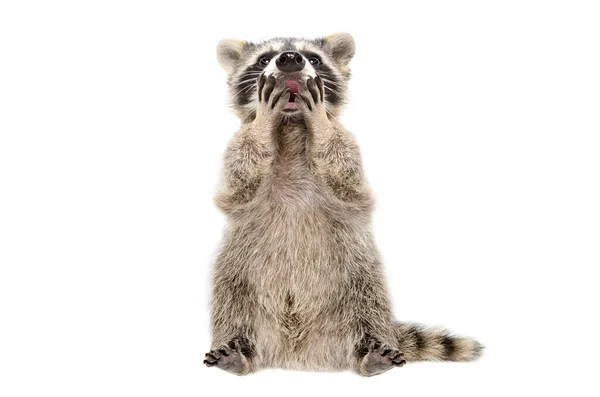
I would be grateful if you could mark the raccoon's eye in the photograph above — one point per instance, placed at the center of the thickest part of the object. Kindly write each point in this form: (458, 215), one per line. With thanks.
(314, 61)
(264, 61)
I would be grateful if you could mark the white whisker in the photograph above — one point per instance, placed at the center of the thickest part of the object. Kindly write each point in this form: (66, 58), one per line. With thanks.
(251, 74)
(327, 75)
(332, 90)
(339, 87)
(249, 88)
(332, 83)
(244, 90)
(245, 81)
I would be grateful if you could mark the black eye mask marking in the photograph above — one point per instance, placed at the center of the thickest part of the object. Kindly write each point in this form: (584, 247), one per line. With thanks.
(267, 55)
(242, 86)
(333, 89)
(330, 82)
(309, 55)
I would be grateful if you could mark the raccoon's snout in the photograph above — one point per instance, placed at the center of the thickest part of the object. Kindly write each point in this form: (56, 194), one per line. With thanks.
(290, 61)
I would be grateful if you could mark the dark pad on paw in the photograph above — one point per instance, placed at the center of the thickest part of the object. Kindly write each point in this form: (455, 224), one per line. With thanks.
(228, 358)
(380, 360)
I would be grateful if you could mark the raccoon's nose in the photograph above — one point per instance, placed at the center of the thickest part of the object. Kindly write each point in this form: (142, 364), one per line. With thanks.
(290, 61)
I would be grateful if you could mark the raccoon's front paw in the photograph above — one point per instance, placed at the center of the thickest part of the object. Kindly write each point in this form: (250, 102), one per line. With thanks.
(380, 359)
(272, 98)
(311, 101)
(229, 358)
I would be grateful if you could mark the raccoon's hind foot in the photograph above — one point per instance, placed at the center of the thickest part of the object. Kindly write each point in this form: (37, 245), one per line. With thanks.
(229, 358)
(380, 359)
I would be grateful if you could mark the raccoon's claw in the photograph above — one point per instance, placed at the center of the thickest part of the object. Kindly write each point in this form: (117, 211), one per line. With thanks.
(316, 88)
(311, 101)
(272, 98)
(228, 358)
(265, 87)
(380, 359)
(280, 95)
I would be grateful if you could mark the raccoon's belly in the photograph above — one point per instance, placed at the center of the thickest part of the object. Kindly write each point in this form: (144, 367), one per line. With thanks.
(298, 279)
(293, 253)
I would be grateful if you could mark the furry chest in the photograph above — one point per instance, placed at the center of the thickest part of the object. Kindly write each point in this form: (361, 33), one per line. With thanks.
(292, 243)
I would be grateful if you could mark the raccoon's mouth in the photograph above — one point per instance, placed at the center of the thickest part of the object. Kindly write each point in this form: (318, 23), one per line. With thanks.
(292, 87)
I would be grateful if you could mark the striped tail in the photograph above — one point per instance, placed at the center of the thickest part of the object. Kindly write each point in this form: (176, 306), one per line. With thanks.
(419, 343)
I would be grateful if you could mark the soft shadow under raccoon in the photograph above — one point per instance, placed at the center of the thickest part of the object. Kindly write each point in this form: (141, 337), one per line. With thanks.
(298, 282)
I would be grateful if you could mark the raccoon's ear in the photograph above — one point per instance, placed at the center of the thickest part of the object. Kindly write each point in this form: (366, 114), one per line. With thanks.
(229, 53)
(340, 46)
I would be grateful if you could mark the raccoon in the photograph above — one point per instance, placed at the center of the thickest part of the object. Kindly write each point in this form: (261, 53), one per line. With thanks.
(298, 282)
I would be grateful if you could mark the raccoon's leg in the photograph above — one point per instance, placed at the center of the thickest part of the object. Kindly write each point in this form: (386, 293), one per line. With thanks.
(232, 313)
(366, 304)
(333, 153)
(376, 350)
(232, 357)
(250, 153)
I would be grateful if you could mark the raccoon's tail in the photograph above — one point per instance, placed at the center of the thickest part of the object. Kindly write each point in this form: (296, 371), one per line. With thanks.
(419, 343)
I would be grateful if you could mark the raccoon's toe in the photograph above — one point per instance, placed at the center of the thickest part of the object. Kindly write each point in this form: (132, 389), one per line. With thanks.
(228, 359)
(381, 360)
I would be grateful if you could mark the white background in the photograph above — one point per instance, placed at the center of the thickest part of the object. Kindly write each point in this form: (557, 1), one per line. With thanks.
(479, 126)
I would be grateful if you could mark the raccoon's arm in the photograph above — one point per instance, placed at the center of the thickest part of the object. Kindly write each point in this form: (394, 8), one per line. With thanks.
(332, 152)
(248, 158)
(335, 158)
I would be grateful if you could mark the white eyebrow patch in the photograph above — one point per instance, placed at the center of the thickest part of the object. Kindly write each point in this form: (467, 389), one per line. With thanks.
(277, 46)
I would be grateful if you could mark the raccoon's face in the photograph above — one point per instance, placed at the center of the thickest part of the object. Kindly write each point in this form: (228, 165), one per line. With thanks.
(291, 59)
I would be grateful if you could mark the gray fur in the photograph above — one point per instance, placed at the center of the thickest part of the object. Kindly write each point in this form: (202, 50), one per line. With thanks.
(298, 281)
